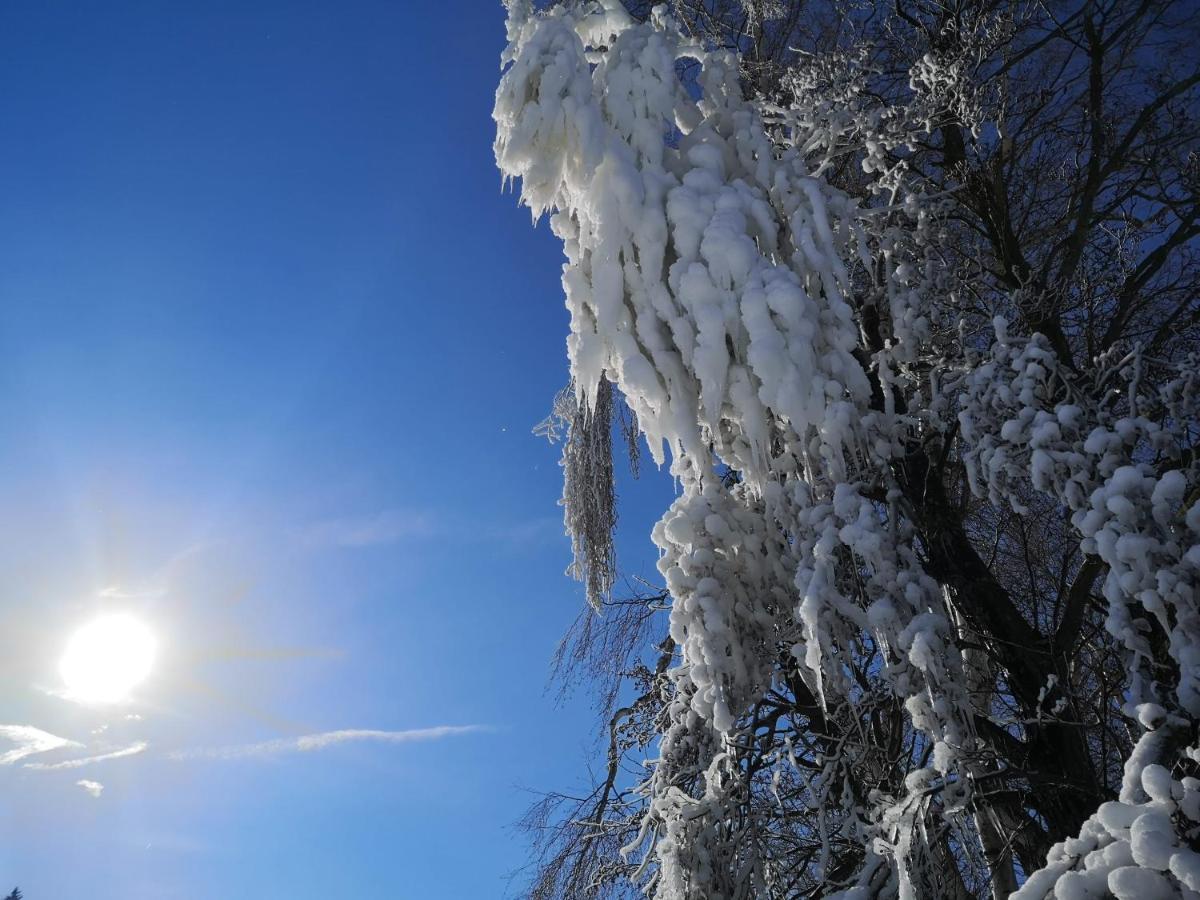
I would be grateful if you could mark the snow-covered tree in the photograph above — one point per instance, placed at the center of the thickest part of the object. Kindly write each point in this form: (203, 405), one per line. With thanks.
(907, 296)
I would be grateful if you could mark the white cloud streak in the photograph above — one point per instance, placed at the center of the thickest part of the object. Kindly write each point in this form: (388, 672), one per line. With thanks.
(309, 742)
(131, 750)
(29, 740)
(387, 527)
(94, 788)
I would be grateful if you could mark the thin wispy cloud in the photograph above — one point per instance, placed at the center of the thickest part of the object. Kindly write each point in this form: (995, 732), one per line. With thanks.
(115, 592)
(527, 534)
(393, 526)
(310, 742)
(94, 788)
(131, 750)
(29, 741)
(389, 526)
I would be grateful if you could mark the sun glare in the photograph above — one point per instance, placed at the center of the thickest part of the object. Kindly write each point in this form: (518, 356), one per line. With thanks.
(107, 658)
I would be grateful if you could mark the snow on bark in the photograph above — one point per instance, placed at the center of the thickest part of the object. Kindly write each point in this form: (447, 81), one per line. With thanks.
(1133, 847)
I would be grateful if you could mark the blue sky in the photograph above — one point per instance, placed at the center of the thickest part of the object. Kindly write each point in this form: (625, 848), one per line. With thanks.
(272, 342)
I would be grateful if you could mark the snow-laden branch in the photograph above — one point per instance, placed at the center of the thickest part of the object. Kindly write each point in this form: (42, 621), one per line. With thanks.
(755, 319)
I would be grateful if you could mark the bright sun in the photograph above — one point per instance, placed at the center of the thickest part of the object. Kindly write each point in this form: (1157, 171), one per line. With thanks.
(107, 658)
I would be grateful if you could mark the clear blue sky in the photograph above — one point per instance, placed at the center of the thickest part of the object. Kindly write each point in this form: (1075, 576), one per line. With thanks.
(271, 345)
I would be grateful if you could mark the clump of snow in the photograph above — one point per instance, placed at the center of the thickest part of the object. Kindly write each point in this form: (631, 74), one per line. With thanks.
(1137, 847)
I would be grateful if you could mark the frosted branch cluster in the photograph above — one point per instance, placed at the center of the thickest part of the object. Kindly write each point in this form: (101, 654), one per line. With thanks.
(720, 283)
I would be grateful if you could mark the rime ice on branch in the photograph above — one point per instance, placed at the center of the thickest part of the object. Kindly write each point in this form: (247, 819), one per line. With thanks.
(727, 289)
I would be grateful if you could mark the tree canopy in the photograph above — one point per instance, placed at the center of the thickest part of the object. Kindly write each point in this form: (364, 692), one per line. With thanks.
(905, 294)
